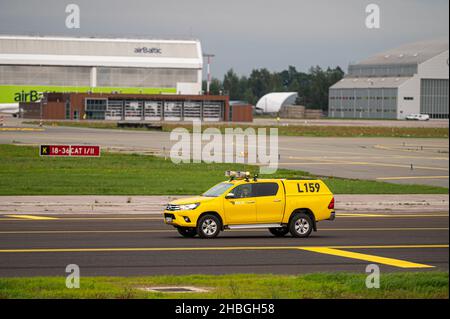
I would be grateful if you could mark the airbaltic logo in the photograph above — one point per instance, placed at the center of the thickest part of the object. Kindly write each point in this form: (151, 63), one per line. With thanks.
(31, 96)
(148, 50)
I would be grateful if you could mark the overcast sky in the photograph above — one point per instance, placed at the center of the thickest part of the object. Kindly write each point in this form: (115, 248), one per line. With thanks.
(244, 34)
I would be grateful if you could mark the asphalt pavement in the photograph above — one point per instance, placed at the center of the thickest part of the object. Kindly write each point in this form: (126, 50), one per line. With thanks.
(134, 245)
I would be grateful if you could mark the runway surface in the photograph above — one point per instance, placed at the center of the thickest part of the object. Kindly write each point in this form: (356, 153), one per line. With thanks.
(395, 160)
(132, 245)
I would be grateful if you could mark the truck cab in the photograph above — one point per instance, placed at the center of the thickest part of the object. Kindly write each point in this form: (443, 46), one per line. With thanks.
(281, 205)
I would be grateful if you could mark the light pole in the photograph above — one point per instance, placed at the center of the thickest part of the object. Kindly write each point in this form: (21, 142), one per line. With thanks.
(208, 70)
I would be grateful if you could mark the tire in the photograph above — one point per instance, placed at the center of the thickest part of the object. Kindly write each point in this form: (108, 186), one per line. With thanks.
(209, 226)
(187, 232)
(279, 231)
(301, 225)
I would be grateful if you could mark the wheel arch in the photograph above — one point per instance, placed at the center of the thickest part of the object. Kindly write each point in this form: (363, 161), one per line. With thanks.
(307, 212)
(212, 213)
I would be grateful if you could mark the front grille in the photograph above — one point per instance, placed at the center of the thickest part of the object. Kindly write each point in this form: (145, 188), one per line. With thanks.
(169, 215)
(172, 207)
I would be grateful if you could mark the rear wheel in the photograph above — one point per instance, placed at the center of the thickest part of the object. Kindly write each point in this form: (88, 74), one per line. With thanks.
(301, 225)
(208, 226)
(187, 232)
(279, 231)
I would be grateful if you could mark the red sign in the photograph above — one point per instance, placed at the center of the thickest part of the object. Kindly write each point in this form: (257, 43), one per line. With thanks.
(70, 150)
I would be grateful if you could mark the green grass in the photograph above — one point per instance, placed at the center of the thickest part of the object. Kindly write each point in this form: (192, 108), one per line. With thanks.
(320, 285)
(24, 172)
(291, 130)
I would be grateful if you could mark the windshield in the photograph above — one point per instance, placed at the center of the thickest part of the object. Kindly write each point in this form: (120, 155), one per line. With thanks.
(218, 190)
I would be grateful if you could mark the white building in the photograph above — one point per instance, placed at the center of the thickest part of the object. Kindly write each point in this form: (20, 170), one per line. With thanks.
(410, 79)
(272, 102)
(32, 65)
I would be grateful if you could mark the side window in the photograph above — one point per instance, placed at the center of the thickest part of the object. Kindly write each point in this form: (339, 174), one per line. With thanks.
(265, 189)
(243, 191)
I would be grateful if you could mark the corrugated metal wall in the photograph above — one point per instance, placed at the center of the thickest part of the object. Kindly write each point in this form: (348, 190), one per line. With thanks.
(44, 75)
(434, 98)
(379, 103)
(97, 48)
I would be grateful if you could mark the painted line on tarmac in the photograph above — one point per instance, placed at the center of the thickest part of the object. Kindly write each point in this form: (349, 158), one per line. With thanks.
(365, 257)
(32, 217)
(363, 215)
(21, 129)
(212, 248)
(368, 164)
(410, 177)
(332, 250)
(410, 148)
(340, 215)
(43, 218)
(21, 232)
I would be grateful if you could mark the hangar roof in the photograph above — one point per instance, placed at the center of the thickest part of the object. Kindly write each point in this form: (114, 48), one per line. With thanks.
(370, 83)
(412, 53)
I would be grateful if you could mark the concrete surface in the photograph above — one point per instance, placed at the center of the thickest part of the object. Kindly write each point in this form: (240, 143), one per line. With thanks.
(350, 122)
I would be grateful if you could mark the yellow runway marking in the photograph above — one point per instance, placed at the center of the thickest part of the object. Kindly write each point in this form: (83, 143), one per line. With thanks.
(114, 218)
(386, 229)
(12, 232)
(370, 258)
(21, 129)
(346, 158)
(32, 217)
(369, 164)
(27, 217)
(388, 246)
(411, 148)
(331, 250)
(86, 231)
(106, 249)
(340, 215)
(356, 215)
(411, 177)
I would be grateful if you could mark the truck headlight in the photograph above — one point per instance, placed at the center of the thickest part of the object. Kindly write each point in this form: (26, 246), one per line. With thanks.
(189, 206)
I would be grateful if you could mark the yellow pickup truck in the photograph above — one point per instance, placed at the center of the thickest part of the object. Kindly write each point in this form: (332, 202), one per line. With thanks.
(242, 202)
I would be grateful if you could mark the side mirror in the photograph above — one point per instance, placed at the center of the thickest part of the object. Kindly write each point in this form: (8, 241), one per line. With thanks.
(230, 196)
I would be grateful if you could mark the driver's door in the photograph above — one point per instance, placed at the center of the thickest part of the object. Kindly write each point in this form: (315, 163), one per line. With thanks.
(242, 208)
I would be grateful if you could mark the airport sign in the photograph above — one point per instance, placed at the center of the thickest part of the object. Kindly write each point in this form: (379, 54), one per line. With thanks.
(70, 150)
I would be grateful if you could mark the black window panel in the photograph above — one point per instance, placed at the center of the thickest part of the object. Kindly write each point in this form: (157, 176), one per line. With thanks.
(243, 191)
(265, 189)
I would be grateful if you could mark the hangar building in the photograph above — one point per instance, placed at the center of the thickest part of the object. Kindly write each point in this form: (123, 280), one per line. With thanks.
(407, 80)
(30, 66)
(273, 102)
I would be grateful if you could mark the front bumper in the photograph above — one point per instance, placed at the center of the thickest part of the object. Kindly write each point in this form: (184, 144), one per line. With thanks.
(179, 218)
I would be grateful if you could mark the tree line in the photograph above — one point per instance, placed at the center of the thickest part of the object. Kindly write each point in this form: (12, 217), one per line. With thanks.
(312, 86)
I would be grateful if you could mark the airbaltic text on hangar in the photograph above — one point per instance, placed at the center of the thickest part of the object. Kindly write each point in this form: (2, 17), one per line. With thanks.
(31, 96)
(148, 50)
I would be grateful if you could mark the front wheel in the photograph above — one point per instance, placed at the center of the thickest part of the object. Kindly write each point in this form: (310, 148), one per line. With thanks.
(279, 231)
(208, 226)
(301, 225)
(187, 232)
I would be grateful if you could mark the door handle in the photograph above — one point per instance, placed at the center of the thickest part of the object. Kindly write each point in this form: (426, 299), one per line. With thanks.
(252, 202)
(277, 200)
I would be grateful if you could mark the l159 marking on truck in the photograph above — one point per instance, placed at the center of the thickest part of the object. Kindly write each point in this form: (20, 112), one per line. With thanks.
(308, 188)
